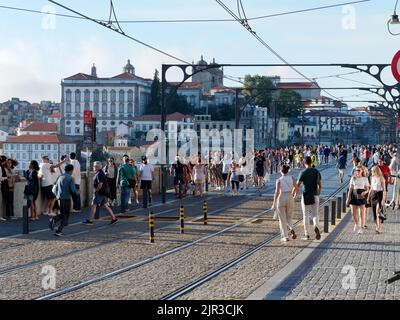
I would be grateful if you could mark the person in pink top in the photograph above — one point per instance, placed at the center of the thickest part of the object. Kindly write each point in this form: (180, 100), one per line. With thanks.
(199, 176)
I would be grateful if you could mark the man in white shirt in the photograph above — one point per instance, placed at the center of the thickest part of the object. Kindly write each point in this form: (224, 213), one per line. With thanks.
(76, 175)
(146, 177)
(46, 173)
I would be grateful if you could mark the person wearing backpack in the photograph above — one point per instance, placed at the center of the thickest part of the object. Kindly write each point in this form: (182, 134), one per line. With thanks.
(126, 181)
(64, 188)
(312, 182)
(101, 193)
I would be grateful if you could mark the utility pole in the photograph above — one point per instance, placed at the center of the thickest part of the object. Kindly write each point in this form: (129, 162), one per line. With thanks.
(302, 127)
(237, 109)
(275, 124)
(164, 143)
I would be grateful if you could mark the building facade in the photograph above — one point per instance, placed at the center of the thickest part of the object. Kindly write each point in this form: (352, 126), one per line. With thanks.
(112, 100)
(26, 148)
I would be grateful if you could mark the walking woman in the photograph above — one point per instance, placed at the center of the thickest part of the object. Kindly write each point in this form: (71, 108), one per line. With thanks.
(244, 169)
(357, 198)
(376, 196)
(111, 171)
(31, 191)
(234, 177)
(284, 202)
(199, 176)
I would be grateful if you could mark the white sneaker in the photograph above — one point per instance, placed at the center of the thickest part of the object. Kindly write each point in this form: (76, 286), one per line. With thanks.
(360, 231)
(2, 219)
(284, 240)
(137, 202)
(45, 213)
(355, 228)
(51, 214)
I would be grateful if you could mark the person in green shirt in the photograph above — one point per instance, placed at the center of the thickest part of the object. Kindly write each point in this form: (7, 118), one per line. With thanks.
(312, 186)
(126, 180)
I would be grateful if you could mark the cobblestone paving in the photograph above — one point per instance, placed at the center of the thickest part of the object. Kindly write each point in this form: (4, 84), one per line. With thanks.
(327, 273)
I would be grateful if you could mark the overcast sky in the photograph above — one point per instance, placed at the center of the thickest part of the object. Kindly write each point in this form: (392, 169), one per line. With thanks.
(37, 51)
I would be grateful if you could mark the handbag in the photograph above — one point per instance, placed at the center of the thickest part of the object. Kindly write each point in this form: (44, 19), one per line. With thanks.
(309, 198)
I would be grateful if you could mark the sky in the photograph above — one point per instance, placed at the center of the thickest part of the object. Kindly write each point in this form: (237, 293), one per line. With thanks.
(38, 51)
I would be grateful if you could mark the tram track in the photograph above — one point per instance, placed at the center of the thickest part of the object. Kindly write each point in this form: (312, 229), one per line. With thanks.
(229, 265)
(143, 262)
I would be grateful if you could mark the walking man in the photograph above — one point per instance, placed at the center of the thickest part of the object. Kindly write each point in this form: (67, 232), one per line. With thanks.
(101, 192)
(312, 186)
(126, 180)
(77, 179)
(146, 178)
(341, 166)
(63, 189)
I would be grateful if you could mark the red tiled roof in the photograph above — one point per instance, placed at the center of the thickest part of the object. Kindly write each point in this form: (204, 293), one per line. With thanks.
(41, 127)
(177, 116)
(119, 148)
(48, 138)
(81, 76)
(297, 85)
(360, 108)
(127, 76)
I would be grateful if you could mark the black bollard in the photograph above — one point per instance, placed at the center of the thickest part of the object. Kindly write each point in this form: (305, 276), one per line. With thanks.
(326, 219)
(25, 220)
(182, 218)
(333, 213)
(205, 211)
(339, 208)
(152, 220)
(344, 202)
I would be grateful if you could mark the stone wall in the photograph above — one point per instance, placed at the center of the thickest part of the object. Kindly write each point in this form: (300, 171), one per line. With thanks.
(86, 193)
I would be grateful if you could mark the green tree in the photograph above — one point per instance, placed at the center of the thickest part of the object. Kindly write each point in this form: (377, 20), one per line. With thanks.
(178, 103)
(154, 104)
(289, 104)
(260, 88)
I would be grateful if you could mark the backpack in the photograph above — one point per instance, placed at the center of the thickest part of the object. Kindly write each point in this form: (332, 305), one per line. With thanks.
(259, 162)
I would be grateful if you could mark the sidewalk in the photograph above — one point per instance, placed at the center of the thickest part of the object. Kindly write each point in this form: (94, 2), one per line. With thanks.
(347, 265)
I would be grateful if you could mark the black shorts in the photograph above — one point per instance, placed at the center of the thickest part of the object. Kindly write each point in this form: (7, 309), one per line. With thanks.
(179, 178)
(260, 172)
(224, 176)
(48, 193)
(145, 184)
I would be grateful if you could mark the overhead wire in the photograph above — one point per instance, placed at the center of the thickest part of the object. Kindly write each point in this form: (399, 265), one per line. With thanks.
(254, 34)
(186, 20)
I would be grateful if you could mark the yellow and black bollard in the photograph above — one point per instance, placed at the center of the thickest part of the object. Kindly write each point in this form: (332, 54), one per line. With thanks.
(152, 220)
(182, 217)
(205, 211)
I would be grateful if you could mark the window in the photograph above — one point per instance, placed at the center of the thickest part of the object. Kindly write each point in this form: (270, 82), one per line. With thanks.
(96, 95)
(192, 100)
(121, 108)
(55, 156)
(77, 123)
(130, 96)
(68, 108)
(42, 147)
(104, 108)
(55, 147)
(144, 127)
(68, 130)
(36, 156)
(130, 108)
(113, 96)
(87, 95)
(121, 96)
(96, 108)
(77, 130)
(87, 106)
(24, 147)
(104, 123)
(77, 108)
(104, 95)
(48, 147)
(77, 96)
(113, 108)
(68, 95)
